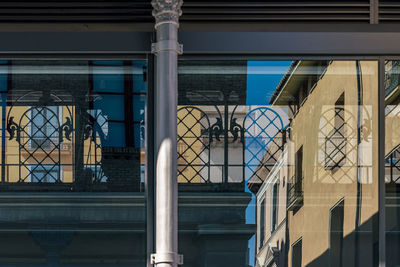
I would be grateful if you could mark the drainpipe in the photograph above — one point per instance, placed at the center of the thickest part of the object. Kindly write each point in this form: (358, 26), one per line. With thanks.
(359, 186)
(166, 50)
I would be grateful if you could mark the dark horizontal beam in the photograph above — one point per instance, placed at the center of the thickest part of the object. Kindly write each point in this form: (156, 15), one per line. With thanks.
(274, 4)
(218, 43)
(75, 42)
(291, 43)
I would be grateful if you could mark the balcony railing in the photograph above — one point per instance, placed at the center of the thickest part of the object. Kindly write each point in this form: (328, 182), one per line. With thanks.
(295, 192)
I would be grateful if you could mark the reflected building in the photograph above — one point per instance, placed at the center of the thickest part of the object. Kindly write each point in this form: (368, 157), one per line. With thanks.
(272, 214)
(330, 209)
(392, 161)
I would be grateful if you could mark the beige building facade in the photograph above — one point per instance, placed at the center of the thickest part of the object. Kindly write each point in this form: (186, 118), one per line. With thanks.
(332, 181)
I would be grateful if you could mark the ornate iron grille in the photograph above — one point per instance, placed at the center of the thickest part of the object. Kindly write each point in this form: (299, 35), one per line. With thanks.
(205, 149)
(40, 134)
(59, 126)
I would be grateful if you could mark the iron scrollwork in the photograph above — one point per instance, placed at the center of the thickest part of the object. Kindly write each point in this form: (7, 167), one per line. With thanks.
(88, 128)
(235, 129)
(87, 131)
(67, 128)
(13, 129)
(216, 130)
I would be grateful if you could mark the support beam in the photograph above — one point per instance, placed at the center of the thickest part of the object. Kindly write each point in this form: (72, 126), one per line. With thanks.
(166, 50)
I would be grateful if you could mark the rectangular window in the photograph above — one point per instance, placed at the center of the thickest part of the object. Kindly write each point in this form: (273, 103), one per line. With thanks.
(274, 208)
(295, 187)
(336, 234)
(335, 142)
(262, 223)
(339, 114)
(299, 164)
(297, 253)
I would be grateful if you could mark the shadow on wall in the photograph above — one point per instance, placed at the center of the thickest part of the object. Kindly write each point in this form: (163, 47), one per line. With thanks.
(366, 253)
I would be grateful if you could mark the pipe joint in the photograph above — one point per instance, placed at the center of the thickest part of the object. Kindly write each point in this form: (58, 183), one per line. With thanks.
(166, 45)
(169, 258)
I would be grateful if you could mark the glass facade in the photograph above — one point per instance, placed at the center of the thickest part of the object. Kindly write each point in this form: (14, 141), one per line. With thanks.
(277, 162)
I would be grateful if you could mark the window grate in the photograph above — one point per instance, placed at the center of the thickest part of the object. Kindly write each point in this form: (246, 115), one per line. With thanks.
(279, 11)
(389, 11)
(106, 11)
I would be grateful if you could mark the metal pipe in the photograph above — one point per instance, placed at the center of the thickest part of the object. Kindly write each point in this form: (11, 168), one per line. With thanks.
(381, 165)
(226, 140)
(359, 186)
(166, 49)
(150, 159)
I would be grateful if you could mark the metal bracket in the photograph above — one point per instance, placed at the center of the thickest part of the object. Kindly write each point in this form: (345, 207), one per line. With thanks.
(156, 258)
(166, 45)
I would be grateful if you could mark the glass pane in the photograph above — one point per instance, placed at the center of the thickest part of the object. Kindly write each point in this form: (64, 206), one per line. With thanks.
(277, 163)
(392, 162)
(72, 163)
(111, 106)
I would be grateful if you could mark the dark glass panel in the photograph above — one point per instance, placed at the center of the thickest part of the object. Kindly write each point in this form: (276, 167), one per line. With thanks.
(72, 165)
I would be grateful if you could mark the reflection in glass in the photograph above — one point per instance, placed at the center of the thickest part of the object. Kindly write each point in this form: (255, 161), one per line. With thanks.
(73, 124)
(278, 160)
(72, 133)
(392, 162)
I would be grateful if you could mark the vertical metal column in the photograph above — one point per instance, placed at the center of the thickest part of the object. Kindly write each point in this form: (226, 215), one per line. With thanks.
(150, 159)
(3, 136)
(166, 50)
(381, 164)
